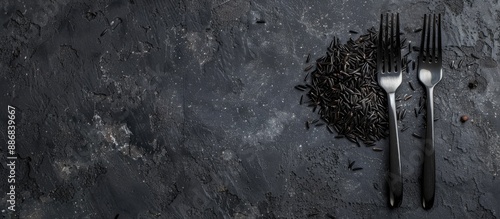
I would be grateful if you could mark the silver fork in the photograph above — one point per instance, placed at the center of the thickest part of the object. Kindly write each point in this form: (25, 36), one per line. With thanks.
(430, 72)
(389, 78)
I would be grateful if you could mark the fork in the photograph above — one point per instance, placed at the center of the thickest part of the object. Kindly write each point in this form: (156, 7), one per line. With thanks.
(389, 78)
(430, 72)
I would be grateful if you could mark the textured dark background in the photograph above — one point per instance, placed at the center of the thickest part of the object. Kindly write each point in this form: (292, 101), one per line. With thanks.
(186, 109)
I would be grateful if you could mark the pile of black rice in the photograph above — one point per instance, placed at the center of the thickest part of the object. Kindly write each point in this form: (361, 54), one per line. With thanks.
(342, 88)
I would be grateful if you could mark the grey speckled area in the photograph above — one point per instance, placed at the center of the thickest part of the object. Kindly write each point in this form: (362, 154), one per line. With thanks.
(186, 109)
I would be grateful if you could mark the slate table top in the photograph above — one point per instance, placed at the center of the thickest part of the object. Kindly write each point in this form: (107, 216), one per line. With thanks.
(186, 109)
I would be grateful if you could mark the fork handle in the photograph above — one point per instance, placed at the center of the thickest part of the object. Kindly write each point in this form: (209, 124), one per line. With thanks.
(429, 170)
(395, 178)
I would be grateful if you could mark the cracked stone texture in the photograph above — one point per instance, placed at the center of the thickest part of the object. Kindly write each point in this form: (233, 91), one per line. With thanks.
(186, 109)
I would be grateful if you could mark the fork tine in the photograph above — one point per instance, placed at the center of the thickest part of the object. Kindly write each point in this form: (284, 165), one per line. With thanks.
(439, 38)
(386, 54)
(398, 45)
(380, 45)
(392, 49)
(422, 40)
(434, 38)
(428, 57)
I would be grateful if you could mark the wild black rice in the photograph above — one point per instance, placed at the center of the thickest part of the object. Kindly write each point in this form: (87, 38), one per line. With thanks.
(308, 68)
(301, 87)
(343, 87)
(416, 135)
(351, 163)
(404, 128)
(329, 129)
(307, 75)
(408, 97)
(411, 85)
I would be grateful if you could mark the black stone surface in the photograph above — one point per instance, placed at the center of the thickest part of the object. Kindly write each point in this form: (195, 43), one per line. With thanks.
(186, 109)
